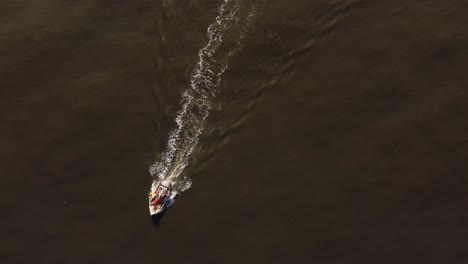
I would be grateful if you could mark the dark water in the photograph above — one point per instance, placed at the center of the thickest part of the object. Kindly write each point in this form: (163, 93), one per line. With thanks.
(338, 134)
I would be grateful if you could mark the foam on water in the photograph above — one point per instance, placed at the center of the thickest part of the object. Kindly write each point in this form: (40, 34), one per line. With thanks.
(224, 40)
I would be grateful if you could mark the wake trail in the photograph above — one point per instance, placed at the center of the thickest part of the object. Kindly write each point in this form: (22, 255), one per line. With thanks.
(224, 40)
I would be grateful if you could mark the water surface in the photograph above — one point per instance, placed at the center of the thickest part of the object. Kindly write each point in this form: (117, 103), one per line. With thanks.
(337, 133)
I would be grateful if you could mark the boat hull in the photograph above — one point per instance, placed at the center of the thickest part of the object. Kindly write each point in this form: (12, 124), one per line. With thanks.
(161, 191)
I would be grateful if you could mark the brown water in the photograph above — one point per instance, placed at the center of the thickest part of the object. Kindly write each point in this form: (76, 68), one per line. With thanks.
(338, 134)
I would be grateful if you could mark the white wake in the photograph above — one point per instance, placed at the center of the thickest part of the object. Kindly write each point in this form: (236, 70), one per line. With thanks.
(224, 40)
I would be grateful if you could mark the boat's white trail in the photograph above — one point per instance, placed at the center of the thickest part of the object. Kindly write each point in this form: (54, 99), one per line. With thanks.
(224, 39)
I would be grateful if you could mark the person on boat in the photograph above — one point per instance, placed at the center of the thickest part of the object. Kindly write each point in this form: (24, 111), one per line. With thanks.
(155, 201)
(158, 199)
